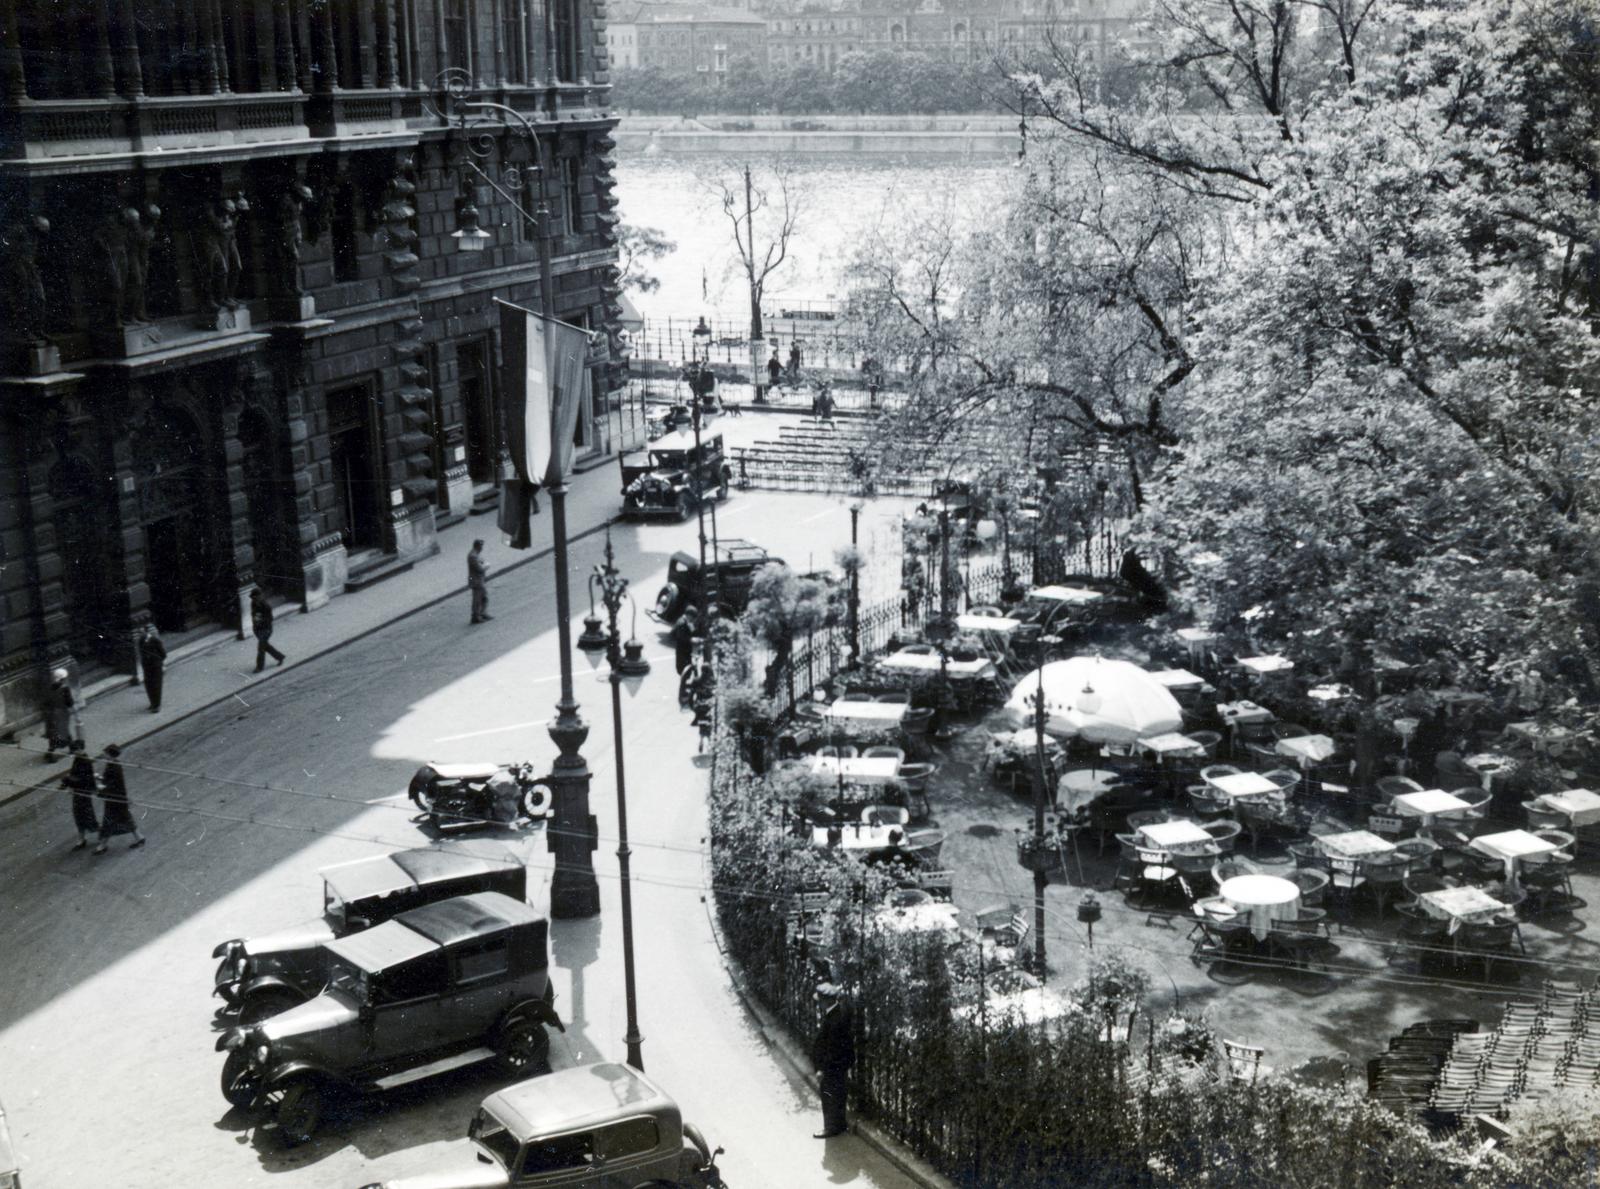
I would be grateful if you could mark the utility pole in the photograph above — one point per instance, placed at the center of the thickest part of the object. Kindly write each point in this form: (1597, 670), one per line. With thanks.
(757, 337)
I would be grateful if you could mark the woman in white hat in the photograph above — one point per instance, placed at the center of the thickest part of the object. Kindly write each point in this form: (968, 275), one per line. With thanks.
(61, 722)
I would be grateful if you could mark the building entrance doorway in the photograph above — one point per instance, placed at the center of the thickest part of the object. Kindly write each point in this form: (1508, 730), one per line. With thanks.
(79, 517)
(178, 557)
(355, 474)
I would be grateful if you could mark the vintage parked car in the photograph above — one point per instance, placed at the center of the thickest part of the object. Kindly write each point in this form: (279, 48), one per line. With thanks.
(737, 562)
(594, 1127)
(672, 476)
(467, 796)
(262, 976)
(10, 1173)
(435, 989)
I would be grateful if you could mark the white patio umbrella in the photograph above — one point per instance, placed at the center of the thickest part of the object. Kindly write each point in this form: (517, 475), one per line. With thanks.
(1103, 701)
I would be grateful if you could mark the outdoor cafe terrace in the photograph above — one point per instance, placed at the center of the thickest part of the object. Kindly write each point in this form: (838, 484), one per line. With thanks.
(1208, 805)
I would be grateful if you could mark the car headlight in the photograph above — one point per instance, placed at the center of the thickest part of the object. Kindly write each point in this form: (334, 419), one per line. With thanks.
(228, 948)
(262, 1052)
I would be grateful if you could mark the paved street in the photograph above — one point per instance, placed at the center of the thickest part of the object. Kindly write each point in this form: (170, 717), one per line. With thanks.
(109, 1074)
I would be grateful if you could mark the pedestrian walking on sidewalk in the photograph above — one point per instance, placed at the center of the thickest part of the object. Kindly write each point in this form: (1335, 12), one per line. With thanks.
(80, 781)
(774, 370)
(261, 624)
(478, 582)
(833, 1052)
(794, 363)
(118, 816)
(153, 659)
(683, 640)
(62, 722)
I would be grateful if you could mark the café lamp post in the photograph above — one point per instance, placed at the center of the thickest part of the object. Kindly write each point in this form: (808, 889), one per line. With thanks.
(710, 577)
(627, 666)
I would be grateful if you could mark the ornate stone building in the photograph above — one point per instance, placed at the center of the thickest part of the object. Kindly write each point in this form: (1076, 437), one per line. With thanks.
(239, 344)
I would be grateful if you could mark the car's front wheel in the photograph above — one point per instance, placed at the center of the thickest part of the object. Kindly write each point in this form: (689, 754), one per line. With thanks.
(240, 1083)
(297, 1107)
(524, 1047)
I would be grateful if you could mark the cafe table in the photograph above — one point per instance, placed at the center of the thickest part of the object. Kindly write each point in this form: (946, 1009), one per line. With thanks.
(1581, 806)
(857, 769)
(1064, 594)
(1234, 713)
(1244, 784)
(1511, 846)
(1544, 737)
(1198, 640)
(1171, 744)
(1177, 836)
(938, 917)
(870, 714)
(929, 664)
(1330, 693)
(1178, 679)
(858, 836)
(1353, 844)
(1428, 804)
(1082, 786)
(993, 625)
(1490, 766)
(1461, 906)
(1264, 665)
(1306, 749)
(1266, 898)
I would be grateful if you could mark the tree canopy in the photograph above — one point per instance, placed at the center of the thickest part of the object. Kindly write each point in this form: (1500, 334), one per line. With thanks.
(1328, 284)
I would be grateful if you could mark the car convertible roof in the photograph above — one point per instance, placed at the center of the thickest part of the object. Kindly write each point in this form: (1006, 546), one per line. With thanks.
(383, 875)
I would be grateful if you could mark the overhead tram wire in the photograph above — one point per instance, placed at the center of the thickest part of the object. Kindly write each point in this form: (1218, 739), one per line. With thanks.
(701, 888)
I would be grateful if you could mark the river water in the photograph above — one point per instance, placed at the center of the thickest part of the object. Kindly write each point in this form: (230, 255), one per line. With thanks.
(842, 201)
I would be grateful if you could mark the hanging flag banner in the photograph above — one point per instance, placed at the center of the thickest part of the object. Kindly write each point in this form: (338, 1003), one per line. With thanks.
(545, 384)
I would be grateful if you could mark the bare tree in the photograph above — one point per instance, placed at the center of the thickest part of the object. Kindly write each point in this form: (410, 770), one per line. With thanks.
(760, 255)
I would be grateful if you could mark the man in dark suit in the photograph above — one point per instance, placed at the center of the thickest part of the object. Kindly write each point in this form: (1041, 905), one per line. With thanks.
(153, 659)
(833, 1052)
(478, 582)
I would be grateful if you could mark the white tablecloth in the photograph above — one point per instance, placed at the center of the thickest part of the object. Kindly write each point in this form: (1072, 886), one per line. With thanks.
(859, 836)
(859, 770)
(993, 625)
(1307, 749)
(1544, 738)
(919, 918)
(1330, 693)
(882, 713)
(1267, 664)
(1172, 743)
(922, 662)
(1265, 897)
(1353, 844)
(1461, 905)
(1490, 767)
(1428, 804)
(1064, 594)
(1243, 784)
(1195, 636)
(1511, 846)
(1178, 679)
(1237, 712)
(1175, 836)
(1581, 806)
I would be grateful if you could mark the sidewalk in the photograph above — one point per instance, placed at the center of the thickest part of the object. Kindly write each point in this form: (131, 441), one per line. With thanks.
(220, 666)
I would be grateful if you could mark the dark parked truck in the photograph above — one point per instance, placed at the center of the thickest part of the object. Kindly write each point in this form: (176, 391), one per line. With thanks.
(262, 976)
(595, 1127)
(435, 989)
(736, 564)
(670, 477)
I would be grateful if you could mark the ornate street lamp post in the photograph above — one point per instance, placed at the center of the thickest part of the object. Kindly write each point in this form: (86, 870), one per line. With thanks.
(574, 891)
(627, 666)
(855, 584)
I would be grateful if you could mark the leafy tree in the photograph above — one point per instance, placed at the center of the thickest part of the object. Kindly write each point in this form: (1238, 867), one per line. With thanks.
(636, 246)
(1329, 285)
(783, 606)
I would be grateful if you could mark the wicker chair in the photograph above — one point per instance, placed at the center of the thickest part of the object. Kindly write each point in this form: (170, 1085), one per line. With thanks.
(1313, 884)
(839, 751)
(1224, 834)
(1540, 818)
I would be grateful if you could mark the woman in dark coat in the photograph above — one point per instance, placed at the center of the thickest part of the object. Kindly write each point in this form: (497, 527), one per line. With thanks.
(114, 792)
(153, 658)
(80, 779)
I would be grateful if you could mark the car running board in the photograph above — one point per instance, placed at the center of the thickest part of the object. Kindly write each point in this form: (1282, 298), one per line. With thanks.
(443, 1065)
